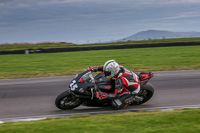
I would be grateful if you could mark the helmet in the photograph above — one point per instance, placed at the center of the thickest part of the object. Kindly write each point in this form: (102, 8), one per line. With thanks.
(111, 69)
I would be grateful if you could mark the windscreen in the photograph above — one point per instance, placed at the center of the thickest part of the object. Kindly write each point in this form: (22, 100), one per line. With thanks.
(87, 77)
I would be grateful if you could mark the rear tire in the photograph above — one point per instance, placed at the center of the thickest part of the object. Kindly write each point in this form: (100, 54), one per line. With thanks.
(146, 92)
(67, 101)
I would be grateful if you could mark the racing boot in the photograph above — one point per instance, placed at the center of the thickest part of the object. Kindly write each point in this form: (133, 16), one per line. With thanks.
(117, 104)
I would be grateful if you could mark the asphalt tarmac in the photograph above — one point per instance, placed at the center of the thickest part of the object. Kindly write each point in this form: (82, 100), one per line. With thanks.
(34, 97)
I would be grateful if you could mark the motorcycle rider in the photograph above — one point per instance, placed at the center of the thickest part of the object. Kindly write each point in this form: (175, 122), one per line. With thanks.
(126, 83)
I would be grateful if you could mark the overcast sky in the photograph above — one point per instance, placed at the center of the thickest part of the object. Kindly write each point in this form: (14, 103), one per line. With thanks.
(87, 21)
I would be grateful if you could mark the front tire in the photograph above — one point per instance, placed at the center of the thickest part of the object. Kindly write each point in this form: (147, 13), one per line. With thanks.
(66, 101)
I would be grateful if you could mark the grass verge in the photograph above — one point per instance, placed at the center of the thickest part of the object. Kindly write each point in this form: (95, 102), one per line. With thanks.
(178, 121)
(70, 63)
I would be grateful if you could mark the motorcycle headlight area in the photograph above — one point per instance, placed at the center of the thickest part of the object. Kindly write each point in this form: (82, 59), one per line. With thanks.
(87, 77)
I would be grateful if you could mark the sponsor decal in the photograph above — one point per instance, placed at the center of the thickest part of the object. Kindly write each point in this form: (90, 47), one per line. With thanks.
(112, 95)
(104, 95)
(109, 86)
(81, 90)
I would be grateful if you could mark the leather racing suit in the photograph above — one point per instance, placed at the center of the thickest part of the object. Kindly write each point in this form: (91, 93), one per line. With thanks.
(126, 85)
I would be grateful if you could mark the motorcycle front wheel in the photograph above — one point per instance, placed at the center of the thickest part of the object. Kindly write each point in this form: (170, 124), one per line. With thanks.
(66, 101)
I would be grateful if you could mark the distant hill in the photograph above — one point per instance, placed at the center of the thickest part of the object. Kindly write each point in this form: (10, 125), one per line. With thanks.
(159, 34)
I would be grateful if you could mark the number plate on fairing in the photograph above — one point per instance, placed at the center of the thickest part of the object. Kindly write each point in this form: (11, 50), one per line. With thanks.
(73, 85)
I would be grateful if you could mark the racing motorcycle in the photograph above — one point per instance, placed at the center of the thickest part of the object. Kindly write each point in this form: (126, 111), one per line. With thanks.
(82, 90)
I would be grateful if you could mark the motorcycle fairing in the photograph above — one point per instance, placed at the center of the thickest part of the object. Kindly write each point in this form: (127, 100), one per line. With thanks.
(144, 77)
(104, 84)
(81, 84)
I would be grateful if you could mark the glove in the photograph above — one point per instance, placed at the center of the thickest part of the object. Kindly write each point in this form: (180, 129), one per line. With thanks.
(90, 68)
(93, 69)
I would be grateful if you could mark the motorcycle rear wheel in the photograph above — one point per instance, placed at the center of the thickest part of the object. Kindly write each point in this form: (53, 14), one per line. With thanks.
(66, 101)
(146, 92)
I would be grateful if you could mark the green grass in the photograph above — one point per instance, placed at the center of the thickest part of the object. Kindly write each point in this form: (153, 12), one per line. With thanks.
(152, 41)
(70, 63)
(46, 45)
(179, 121)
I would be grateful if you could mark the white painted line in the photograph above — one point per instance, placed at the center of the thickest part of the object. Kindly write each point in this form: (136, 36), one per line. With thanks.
(174, 107)
(22, 119)
(29, 119)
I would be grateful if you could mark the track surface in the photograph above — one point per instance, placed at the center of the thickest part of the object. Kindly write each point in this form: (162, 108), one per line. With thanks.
(35, 96)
